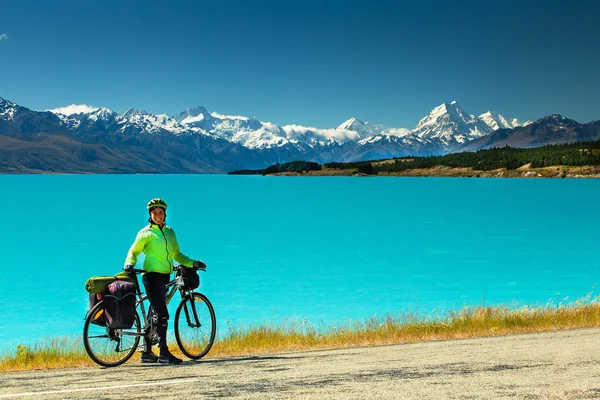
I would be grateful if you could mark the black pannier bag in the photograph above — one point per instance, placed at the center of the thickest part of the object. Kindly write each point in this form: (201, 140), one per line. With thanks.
(191, 279)
(119, 305)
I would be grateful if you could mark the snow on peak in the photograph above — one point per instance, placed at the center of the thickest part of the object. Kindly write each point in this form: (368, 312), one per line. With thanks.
(196, 111)
(132, 112)
(74, 109)
(352, 124)
(436, 112)
(498, 121)
(104, 112)
(363, 129)
(192, 115)
(7, 109)
(6, 104)
(444, 110)
(450, 123)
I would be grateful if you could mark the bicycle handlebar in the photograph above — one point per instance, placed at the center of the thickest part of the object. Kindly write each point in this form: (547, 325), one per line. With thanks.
(179, 266)
(175, 267)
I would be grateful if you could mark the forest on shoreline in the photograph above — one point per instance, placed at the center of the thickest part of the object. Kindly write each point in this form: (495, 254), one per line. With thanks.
(504, 161)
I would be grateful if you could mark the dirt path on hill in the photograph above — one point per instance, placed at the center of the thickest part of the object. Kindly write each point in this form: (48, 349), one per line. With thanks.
(557, 365)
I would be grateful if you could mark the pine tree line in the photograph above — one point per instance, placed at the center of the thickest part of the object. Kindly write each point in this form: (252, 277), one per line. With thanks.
(293, 166)
(574, 154)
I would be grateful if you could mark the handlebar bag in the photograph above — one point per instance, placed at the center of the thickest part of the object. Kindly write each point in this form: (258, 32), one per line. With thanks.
(191, 279)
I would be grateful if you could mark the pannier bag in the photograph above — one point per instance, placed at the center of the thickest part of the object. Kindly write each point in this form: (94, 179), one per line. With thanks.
(100, 317)
(119, 304)
(99, 284)
(191, 279)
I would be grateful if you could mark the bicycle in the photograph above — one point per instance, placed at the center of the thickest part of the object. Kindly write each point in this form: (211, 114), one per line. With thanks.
(195, 326)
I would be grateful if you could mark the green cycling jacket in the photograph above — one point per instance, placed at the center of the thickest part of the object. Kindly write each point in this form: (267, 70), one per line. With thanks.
(160, 247)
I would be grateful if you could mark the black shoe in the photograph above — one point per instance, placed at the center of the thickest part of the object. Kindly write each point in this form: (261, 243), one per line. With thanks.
(148, 357)
(169, 359)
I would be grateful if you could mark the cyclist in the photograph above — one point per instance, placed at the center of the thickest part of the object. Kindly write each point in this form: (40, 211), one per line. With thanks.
(159, 244)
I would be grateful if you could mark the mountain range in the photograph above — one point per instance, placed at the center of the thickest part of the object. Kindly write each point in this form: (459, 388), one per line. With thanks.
(83, 139)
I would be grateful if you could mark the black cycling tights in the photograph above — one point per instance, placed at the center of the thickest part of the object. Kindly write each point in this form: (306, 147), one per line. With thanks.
(154, 283)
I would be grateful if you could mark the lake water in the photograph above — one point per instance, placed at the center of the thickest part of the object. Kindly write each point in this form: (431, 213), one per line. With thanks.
(325, 249)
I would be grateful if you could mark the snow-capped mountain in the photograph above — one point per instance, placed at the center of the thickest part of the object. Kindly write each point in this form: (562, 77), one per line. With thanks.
(197, 116)
(449, 124)
(499, 122)
(363, 130)
(7, 109)
(444, 129)
(552, 129)
(78, 117)
(130, 122)
(249, 132)
(151, 123)
(255, 134)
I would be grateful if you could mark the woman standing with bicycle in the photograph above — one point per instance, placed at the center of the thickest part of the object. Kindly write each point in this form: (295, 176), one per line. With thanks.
(159, 244)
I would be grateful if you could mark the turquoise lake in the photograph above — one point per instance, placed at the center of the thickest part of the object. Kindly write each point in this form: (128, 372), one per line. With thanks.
(324, 249)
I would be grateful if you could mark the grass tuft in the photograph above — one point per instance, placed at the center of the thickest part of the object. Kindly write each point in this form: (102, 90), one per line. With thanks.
(54, 353)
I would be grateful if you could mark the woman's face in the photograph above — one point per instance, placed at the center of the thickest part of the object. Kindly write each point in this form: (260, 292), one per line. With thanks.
(157, 215)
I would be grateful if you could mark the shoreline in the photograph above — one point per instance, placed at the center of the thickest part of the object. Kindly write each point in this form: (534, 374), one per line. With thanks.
(526, 171)
(470, 322)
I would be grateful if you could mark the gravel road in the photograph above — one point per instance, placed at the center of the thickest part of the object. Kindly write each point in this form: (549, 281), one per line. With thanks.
(556, 365)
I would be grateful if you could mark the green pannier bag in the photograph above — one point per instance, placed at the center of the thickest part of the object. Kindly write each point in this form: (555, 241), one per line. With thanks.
(98, 284)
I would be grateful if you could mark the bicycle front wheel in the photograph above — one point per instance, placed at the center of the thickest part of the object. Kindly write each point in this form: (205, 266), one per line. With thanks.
(109, 347)
(195, 326)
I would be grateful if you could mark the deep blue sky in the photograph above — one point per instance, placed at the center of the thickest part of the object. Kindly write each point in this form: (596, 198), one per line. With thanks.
(313, 63)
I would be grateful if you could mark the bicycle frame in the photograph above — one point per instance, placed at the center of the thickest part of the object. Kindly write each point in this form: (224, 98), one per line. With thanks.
(175, 285)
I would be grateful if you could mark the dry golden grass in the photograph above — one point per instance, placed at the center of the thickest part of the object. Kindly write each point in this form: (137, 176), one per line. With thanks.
(469, 322)
(56, 353)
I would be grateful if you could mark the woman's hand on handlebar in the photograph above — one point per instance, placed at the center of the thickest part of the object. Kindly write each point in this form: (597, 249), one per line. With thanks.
(199, 265)
(129, 269)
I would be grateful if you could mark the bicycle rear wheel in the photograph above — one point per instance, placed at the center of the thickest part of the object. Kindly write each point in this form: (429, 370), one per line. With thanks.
(195, 326)
(109, 347)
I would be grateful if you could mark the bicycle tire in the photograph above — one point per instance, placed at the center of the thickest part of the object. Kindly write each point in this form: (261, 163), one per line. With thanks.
(195, 341)
(104, 345)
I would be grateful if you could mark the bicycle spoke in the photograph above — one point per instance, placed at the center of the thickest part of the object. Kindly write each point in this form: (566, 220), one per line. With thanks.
(110, 347)
(195, 326)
